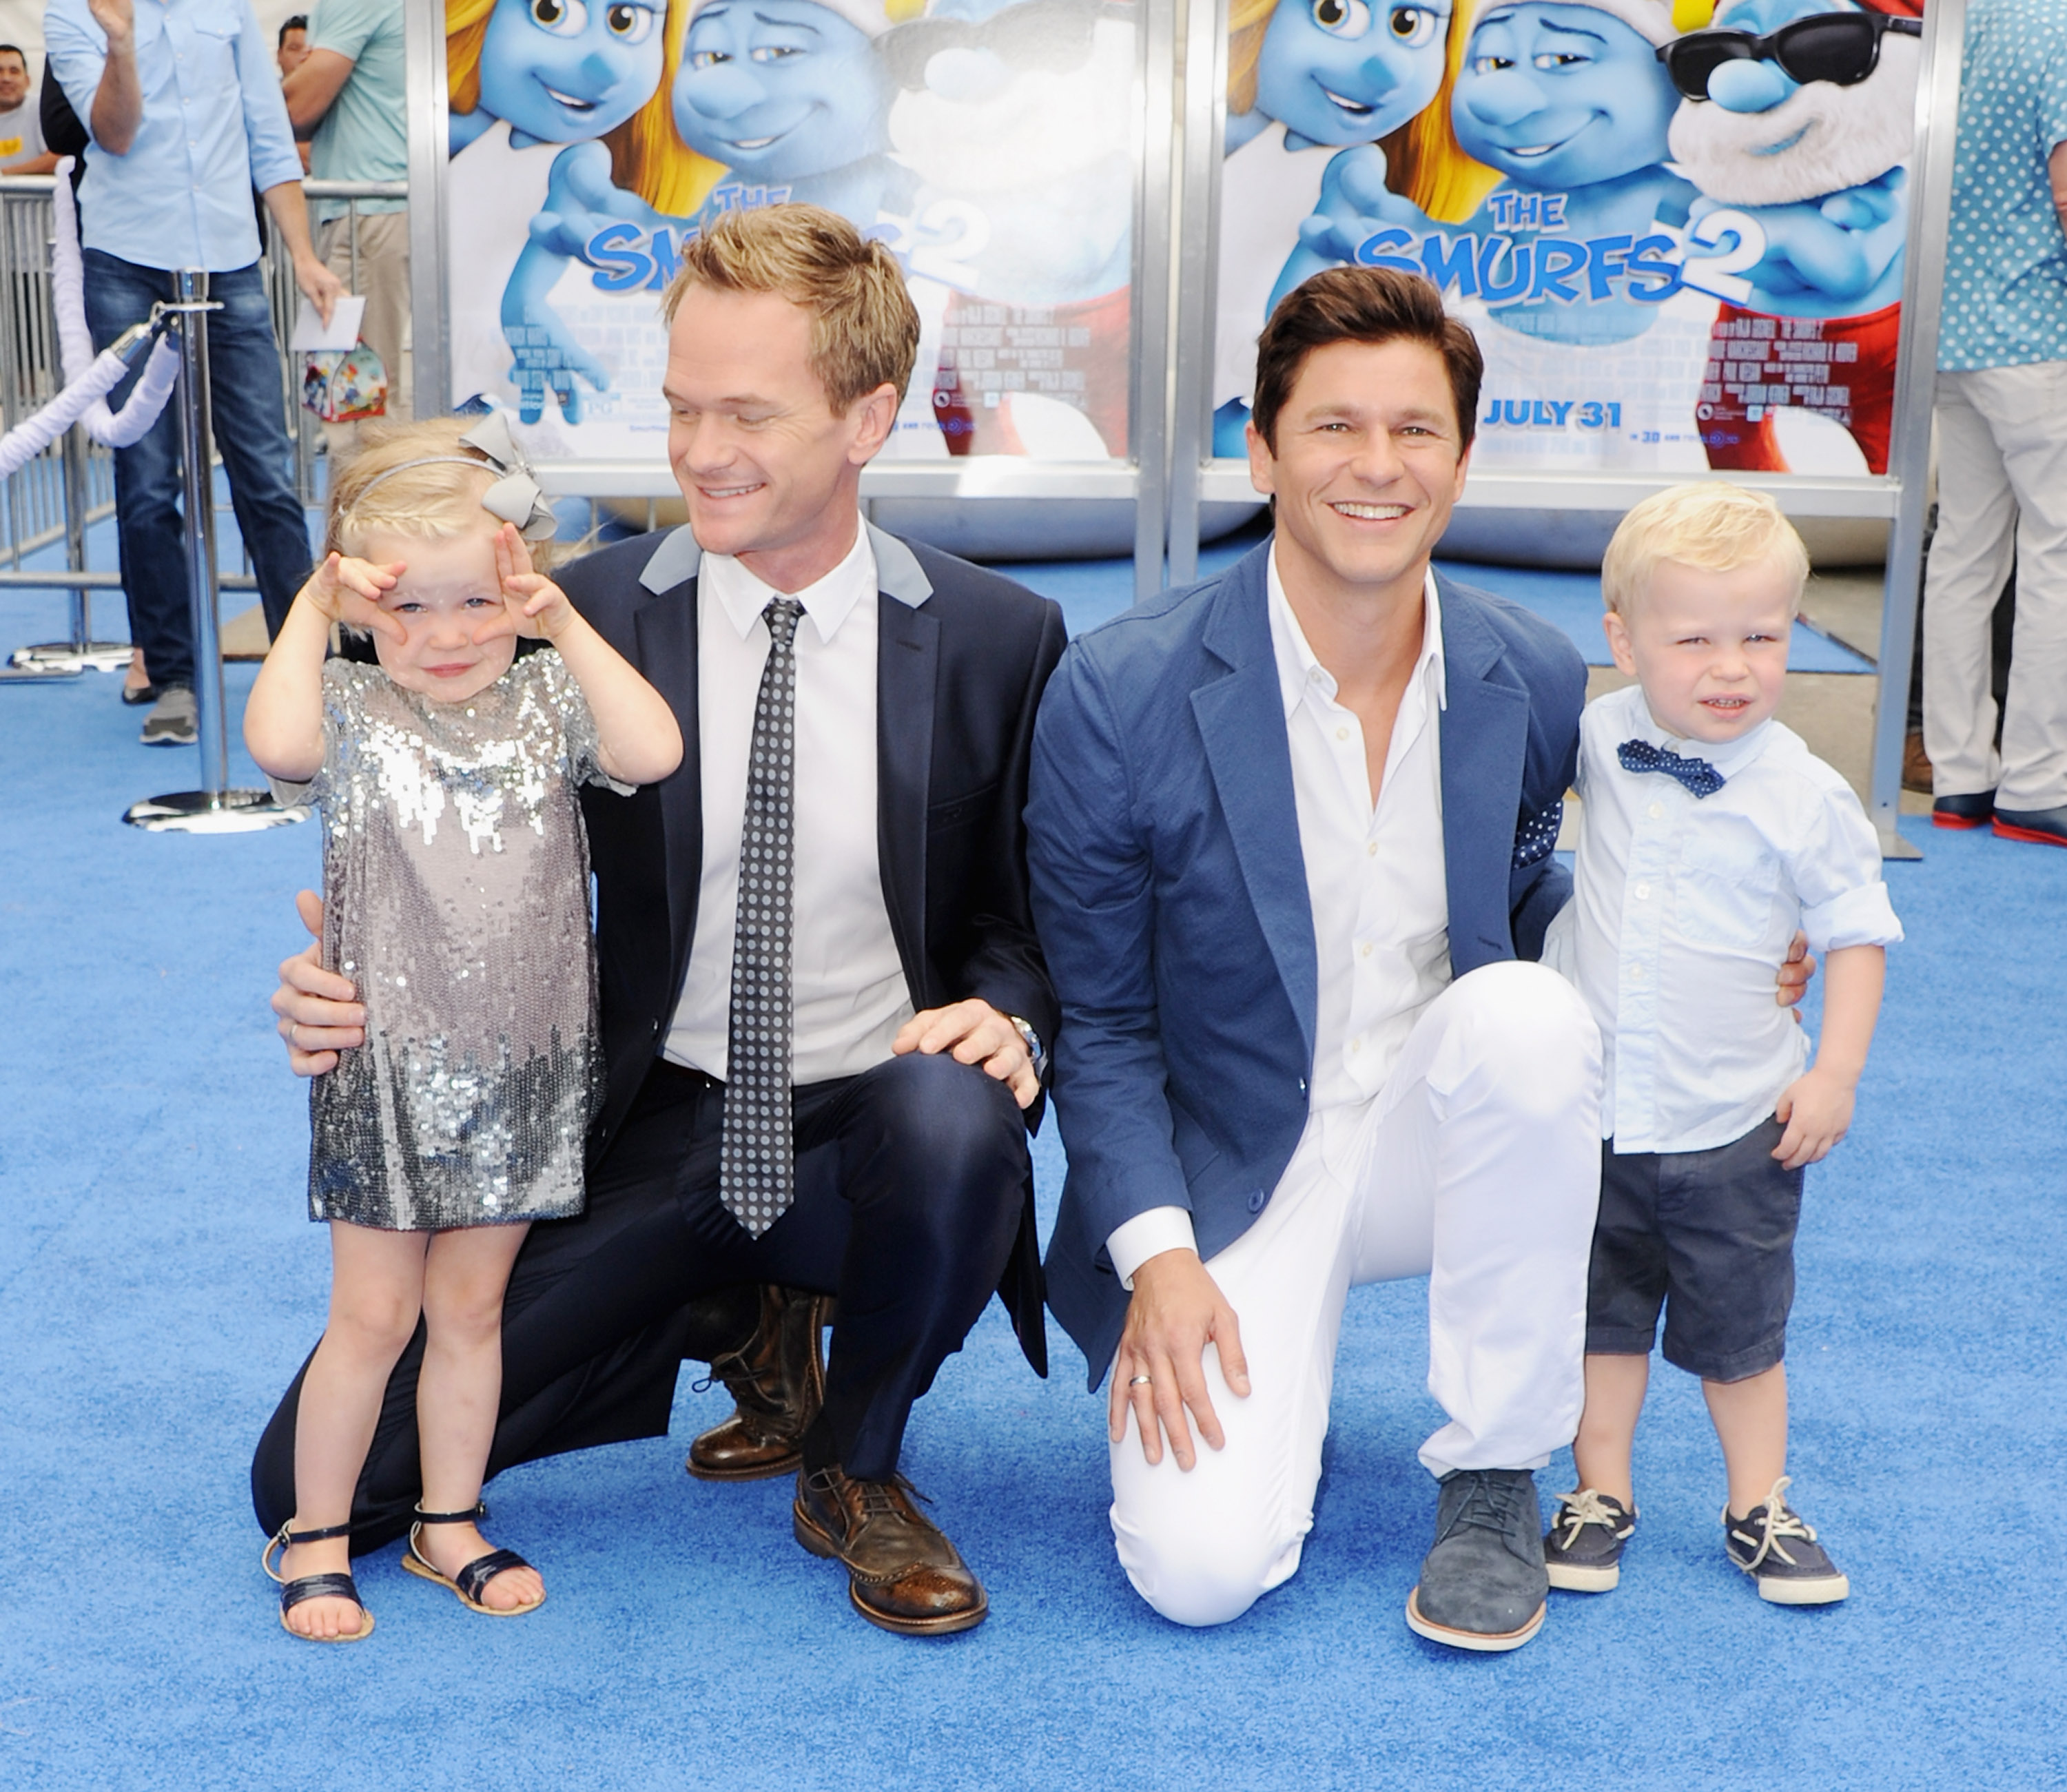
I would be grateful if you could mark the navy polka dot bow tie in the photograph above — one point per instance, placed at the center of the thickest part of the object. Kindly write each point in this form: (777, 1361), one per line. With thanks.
(1698, 775)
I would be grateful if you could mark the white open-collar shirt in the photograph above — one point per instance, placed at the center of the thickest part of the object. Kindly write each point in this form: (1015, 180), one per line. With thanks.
(1376, 878)
(1682, 908)
(850, 993)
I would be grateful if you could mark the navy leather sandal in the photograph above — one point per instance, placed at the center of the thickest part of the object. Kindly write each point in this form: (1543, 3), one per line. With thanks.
(314, 1586)
(468, 1582)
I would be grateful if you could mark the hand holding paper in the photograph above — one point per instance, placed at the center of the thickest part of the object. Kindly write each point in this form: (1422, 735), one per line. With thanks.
(342, 332)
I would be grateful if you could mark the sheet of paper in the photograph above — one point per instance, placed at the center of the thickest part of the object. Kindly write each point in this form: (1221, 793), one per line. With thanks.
(342, 331)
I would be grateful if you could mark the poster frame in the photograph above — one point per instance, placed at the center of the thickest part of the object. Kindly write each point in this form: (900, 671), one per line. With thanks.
(1898, 497)
(1141, 479)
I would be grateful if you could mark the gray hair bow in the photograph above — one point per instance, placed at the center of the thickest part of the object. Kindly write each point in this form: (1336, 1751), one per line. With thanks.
(515, 497)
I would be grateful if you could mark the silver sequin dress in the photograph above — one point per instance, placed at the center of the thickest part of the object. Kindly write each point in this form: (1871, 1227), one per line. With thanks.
(456, 896)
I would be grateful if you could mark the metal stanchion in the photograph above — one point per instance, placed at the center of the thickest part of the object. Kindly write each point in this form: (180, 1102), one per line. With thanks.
(82, 653)
(214, 808)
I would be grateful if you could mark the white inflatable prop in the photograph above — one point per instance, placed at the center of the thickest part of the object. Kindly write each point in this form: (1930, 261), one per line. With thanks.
(89, 378)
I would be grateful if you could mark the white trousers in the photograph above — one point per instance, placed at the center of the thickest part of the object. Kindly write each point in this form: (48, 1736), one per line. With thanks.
(1477, 1165)
(2002, 482)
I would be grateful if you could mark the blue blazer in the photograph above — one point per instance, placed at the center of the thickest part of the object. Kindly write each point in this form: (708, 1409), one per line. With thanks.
(1170, 895)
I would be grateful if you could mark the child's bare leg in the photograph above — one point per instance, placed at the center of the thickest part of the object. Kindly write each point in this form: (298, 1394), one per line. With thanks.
(465, 1276)
(1607, 1429)
(376, 1288)
(1751, 1422)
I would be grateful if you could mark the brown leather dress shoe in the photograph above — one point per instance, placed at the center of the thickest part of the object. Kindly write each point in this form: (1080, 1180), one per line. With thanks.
(777, 1379)
(903, 1574)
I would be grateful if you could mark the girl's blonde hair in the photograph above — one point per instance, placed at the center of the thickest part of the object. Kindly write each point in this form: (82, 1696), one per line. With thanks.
(1711, 525)
(379, 491)
(1424, 161)
(647, 155)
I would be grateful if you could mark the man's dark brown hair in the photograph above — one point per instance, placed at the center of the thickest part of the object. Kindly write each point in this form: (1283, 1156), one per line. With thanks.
(1368, 305)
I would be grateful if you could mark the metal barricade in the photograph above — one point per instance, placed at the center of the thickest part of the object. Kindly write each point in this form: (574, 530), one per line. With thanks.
(71, 485)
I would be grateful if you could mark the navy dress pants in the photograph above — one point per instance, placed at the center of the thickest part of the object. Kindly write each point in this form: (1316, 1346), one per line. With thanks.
(911, 1181)
(248, 404)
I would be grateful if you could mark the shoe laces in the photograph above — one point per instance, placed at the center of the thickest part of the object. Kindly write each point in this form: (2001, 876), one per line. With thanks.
(1583, 1506)
(1778, 1524)
(1488, 1505)
(875, 1499)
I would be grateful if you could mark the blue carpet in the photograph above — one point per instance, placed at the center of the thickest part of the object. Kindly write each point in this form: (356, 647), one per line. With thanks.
(158, 1286)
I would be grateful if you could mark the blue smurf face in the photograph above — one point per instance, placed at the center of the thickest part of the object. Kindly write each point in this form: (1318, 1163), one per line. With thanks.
(565, 70)
(1344, 71)
(780, 90)
(1748, 86)
(1556, 97)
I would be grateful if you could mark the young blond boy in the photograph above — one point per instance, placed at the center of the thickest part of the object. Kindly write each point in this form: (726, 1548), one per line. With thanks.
(1709, 833)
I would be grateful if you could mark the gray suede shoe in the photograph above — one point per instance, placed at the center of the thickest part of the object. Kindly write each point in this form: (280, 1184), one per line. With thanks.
(1483, 1585)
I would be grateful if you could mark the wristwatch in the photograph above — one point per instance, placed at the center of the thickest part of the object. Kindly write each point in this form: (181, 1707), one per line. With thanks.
(1034, 1049)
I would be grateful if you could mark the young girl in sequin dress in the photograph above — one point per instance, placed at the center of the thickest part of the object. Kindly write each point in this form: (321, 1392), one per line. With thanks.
(456, 895)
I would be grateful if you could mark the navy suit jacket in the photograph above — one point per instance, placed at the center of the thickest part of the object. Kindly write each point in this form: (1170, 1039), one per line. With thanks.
(962, 656)
(1170, 890)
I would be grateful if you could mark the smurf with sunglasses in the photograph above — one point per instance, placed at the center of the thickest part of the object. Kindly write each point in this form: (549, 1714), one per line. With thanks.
(1799, 115)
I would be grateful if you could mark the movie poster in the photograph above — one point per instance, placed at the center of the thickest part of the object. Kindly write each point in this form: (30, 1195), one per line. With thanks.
(989, 142)
(1677, 233)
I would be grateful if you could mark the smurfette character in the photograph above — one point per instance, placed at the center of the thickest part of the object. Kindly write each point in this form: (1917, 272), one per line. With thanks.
(786, 99)
(557, 70)
(1798, 115)
(523, 78)
(1306, 79)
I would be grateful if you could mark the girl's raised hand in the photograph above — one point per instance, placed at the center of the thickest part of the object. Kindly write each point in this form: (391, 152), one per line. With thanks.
(346, 591)
(533, 606)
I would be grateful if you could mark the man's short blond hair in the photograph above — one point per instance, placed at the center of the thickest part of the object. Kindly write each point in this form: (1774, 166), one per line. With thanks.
(1711, 525)
(864, 326)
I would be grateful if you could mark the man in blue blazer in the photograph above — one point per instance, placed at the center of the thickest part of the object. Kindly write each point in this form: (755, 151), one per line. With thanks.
(1290, 834)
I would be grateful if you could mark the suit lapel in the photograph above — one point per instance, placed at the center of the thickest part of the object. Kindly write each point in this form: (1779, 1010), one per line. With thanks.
(1484, 741)
(907, 665)
(666, 628)
(1241, 721)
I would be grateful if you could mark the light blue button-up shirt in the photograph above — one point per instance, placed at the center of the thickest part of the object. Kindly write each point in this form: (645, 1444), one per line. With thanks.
(214, 126)
(1682, 908)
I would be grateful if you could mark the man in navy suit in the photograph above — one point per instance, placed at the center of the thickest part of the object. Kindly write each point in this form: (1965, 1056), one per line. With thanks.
(894, 982)
(1291, 832)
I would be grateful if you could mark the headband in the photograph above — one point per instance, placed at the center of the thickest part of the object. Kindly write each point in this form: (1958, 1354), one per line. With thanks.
(514, 497)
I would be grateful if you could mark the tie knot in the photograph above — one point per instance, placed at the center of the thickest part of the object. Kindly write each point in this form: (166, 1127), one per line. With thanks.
(782, 615)
(1697, 775)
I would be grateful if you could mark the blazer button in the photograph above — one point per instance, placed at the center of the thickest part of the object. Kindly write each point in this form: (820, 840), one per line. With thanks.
(1256, 1200)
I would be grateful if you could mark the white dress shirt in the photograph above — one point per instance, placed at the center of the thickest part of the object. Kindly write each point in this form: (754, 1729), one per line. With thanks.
(850, 995)
(1683, 909)
(1375, 878)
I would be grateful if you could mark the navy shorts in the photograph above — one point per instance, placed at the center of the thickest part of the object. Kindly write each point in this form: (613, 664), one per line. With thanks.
(1708, 1236)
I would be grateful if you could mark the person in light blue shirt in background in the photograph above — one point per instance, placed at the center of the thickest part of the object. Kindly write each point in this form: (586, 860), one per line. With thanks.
(183, 104)
(2002, 436)
(350, 92)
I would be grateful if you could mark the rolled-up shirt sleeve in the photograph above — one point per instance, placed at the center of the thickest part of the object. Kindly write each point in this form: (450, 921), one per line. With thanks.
(1836, 866)
(273, 157)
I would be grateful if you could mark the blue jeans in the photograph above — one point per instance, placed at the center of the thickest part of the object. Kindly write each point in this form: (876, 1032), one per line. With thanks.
(251, 434)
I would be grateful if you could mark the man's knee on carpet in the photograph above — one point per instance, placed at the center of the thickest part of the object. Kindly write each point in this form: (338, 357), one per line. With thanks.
(1199, 1563)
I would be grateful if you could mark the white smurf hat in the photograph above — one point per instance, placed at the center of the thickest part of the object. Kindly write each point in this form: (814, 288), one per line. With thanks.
(1651, 20)
(872, 18)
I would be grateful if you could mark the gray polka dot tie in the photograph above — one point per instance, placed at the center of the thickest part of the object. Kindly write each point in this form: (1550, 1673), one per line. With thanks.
(756, 1155)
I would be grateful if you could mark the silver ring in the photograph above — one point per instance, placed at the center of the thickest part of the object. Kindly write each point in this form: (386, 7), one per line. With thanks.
(1140, 1381)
